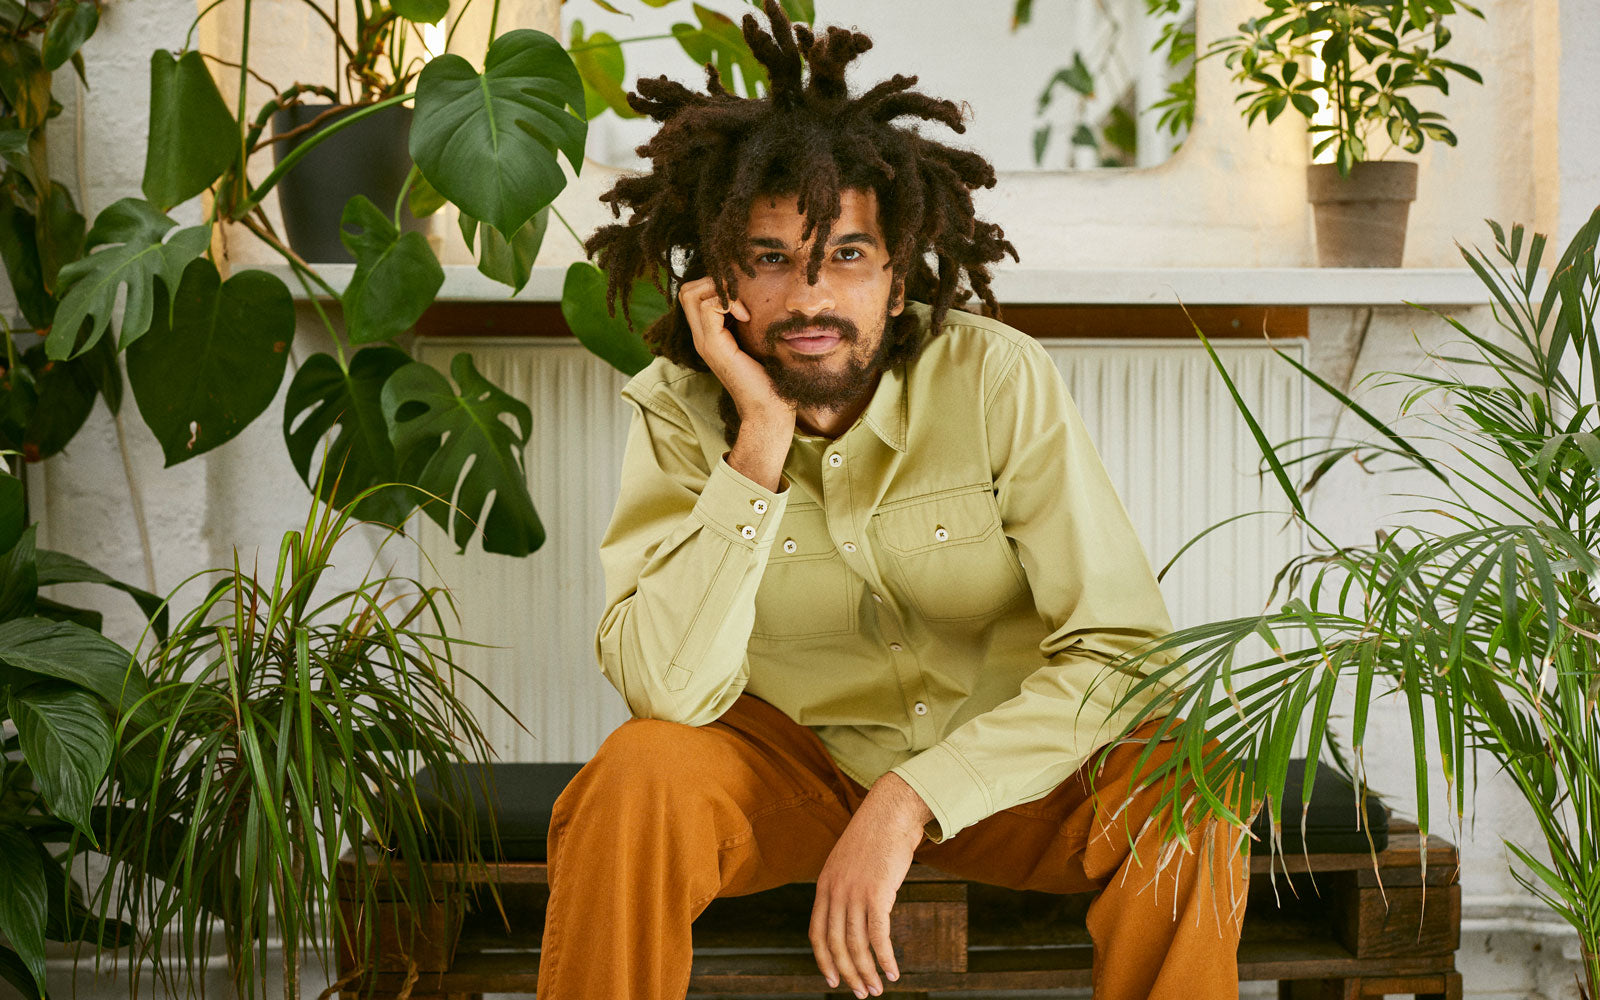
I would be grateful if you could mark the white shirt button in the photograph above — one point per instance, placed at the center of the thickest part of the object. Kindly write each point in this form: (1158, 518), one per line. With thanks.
(920, 708)
(940, 533)
(895, 646)
(789, 545)
(760, 505)
(878, 598)
(836, 460)
(747, 531)
(849, 546)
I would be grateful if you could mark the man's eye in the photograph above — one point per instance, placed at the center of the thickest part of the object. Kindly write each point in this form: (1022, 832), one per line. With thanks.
(770, 257)
(854, 253)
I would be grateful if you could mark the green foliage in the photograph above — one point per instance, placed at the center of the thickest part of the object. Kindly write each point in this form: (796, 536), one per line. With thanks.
(396, 274)
(719, 41)
(202, 379)
(613, 338)
(131, 233)
(1488, 630)
(193, 137)
(509, 262)
(324, 396)
(288, 727)
(1372, 52)
(458, 449)
(61, 684)
(486, 141)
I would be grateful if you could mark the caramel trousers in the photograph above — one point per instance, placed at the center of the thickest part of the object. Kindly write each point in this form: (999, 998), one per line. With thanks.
(667, 817)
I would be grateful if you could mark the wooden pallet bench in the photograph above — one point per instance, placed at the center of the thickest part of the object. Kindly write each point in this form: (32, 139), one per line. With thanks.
(1326, 929)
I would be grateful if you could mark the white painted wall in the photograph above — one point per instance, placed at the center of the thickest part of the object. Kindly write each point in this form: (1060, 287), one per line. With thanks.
(1530, 150)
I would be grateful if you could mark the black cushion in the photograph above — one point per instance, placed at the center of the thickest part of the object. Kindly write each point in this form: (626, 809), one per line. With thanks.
(1331, 817)
(524, 795)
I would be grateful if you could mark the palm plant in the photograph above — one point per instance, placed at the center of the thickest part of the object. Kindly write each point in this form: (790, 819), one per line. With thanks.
(287, 730)
(1490, 625)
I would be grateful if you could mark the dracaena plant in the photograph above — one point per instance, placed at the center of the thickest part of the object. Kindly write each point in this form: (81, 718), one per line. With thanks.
(1484, 621)
(287, 726)
(1361, 58)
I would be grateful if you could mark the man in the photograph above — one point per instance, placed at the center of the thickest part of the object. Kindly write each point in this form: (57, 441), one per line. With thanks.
(866, 571)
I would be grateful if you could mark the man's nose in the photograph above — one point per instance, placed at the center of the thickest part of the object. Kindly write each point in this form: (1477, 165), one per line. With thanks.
(807, 299)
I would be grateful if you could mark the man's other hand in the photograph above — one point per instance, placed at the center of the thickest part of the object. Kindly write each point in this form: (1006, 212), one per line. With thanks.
(857, 886)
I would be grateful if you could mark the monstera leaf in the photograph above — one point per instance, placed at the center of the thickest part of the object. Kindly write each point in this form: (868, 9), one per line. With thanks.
(396, 274)
(603, 68)
(201, 380)
(193, 137)
(438, 432)
(66, 740)
(507, 261)
(131, 231)
(583, 305)
(488, 141)
(324, 396)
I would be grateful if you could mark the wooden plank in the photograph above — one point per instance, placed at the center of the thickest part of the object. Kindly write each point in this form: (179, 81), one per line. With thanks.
(1419, 920)
(794, 970)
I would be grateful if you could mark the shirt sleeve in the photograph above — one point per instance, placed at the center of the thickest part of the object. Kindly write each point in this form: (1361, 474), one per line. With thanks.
(1092, 584)
(683, 556)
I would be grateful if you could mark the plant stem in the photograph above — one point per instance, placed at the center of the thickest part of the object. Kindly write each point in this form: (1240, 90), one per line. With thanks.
(189, 36)
(293, 157)
(567, 225)
(618, 41)
(244, 81)
(411, 175)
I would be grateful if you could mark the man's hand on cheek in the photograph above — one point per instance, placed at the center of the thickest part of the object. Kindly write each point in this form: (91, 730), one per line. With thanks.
(857, 886)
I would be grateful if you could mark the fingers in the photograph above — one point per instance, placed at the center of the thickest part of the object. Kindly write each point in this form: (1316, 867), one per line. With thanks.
(844, 936)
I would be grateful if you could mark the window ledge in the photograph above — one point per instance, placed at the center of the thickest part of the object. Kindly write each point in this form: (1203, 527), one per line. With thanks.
(1154, 286)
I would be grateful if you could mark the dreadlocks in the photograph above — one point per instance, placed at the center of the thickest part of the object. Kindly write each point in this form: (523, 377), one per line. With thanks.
(716, 152)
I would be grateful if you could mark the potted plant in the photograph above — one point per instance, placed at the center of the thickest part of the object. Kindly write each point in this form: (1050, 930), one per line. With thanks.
(287, 728)
(1364, 56)
(63, 689)
(371, 158)
(1490, 626)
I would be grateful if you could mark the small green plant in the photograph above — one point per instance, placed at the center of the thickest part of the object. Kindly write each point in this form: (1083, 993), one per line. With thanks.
(287, 729)
(1489, 627)
(1370, 54)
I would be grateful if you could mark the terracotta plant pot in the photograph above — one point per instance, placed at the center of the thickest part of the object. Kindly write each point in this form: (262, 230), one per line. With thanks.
(1361, 220)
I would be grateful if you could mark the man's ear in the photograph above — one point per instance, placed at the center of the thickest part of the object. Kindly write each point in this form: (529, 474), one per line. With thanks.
(897, 297)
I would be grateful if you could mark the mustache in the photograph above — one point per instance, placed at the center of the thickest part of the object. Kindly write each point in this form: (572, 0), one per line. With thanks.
(841, 325)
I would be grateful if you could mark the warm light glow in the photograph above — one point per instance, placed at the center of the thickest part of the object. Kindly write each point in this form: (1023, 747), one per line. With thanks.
(433, 39)
(1324, 116)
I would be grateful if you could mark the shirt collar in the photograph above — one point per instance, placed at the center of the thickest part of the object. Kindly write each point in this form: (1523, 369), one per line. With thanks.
(886, 414)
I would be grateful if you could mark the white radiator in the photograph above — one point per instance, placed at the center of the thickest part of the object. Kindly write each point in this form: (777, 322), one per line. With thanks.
(1174, 444)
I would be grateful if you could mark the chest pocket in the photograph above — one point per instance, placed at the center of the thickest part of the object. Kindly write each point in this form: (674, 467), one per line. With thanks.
(807, 590)
(950, 554)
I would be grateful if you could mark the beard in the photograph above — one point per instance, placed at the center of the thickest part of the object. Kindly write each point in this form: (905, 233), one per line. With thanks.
(805, 382)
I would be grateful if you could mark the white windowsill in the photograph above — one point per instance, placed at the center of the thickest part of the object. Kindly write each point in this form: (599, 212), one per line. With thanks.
(1268, 286)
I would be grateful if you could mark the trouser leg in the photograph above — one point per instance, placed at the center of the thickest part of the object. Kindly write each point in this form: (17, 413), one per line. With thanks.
(1165, 923)
(665, 818)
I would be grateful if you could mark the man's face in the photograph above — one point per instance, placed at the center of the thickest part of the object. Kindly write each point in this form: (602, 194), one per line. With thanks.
(823, 344)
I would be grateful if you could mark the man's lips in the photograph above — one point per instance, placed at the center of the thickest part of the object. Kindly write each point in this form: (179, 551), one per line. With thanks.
(812, 341)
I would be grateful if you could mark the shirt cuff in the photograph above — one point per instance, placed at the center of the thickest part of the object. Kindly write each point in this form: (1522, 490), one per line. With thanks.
(740, 509)
(954, 792)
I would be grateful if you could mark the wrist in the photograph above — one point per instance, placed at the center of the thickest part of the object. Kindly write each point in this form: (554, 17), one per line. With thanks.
(906, 808)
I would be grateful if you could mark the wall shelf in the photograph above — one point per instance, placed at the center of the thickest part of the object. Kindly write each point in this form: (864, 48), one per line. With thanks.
(1274, 286)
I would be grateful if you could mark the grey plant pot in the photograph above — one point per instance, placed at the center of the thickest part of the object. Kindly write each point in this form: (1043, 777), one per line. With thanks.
(370, 157)
(1361, 220)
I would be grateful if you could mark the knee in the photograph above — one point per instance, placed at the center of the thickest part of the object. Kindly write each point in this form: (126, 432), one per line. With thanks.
(640, 764)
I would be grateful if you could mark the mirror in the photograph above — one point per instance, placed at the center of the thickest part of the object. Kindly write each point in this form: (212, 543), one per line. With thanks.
(1052, 84)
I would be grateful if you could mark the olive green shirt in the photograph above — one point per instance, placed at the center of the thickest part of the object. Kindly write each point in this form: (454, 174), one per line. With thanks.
(935, 592)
